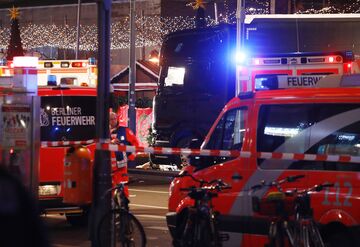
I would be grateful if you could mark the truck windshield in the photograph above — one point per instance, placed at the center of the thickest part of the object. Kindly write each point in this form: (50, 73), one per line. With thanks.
(193, 57)
(67, 118)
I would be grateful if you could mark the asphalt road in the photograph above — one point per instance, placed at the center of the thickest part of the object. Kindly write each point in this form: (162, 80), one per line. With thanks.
(148, 203)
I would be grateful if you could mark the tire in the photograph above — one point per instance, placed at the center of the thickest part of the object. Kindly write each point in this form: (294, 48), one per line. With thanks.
(198, 234)
(134, 236)
(315, 237)
(276, 235)
(342, 238)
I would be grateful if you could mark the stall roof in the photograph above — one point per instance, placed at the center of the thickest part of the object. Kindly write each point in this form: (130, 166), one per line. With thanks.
(147, 75)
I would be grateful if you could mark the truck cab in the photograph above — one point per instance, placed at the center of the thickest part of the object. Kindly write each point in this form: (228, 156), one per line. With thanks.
(197, 78)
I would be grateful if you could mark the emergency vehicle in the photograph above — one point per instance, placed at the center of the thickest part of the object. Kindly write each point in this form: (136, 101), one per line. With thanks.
(197, 75)
(67, 90)
(82, 72)
(67, 114)
(303, 103)
(67, 72)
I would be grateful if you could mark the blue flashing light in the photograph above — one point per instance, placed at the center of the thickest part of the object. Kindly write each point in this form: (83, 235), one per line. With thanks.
(240, 57)
(92, 61)
(3, 62)
(266, 82)
(68, 130)
(51, 80)
(56, 128)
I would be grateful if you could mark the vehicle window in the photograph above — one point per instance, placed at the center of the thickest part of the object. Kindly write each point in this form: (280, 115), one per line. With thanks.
(229, 132)
(266, 81)
(204, 61)
(175, 75)
(228, 135)
(332, 129)
(68, 81)
(67, 118)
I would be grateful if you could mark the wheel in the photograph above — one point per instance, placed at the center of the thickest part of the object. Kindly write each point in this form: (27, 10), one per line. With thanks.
(125, 230)
(315, 237)
(272, 234)
(276, 235)
(341, 237)
(198, 233)
(188, 235)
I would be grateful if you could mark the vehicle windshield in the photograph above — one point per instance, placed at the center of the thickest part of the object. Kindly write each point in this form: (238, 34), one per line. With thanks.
(67, 118)
(228, 135)
(192, 58)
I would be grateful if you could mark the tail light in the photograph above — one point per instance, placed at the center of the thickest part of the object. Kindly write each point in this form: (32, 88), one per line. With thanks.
(347, 68)
(76, 64)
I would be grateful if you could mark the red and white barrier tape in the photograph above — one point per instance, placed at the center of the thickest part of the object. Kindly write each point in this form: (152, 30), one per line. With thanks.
(66, 143)
(105, 145)
(228, 153)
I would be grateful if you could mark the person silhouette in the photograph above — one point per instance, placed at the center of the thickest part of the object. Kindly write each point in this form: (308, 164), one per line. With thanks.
(20, 222)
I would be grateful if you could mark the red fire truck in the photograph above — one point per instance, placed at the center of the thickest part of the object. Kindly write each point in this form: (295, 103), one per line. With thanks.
(292, 104)
(66, 115)
(67, 90)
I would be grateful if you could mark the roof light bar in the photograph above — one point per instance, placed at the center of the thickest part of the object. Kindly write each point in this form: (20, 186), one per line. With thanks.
(26, 61)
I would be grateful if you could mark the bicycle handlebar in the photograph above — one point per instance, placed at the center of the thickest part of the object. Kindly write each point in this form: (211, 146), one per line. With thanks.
(275, 183)
(315, 188)
(202, 182)
(217, 187)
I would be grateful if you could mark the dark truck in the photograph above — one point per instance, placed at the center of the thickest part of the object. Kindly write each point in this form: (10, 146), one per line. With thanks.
(197, 78)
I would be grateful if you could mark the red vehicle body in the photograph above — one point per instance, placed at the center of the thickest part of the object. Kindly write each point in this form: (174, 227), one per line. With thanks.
(52, 159)
(277, 117)
(67, 90)
(71, 113)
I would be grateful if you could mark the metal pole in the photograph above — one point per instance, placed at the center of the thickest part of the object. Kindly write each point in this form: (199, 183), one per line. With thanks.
(65, 23)
(102, 167)
(272, 6)
(216, 13)
(143, 52)
(132, 70)
(78, 29)
(240, 17)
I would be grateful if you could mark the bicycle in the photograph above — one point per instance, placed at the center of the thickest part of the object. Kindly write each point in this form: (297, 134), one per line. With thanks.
(291, 214)
(125, 229)
(202, 226)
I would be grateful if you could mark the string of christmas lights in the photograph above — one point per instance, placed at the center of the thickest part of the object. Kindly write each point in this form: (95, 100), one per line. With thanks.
(150, 29)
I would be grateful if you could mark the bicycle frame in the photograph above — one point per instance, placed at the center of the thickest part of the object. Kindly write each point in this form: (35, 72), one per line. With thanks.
(303, 230)
(201, 227)
(123, 223)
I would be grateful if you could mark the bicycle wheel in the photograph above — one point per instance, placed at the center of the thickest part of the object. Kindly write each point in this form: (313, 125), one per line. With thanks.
(188, 235)
(315, 236)
(125, 230)
(198, 234)
(276, 235)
